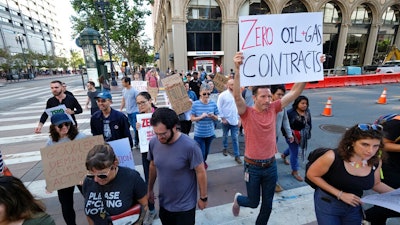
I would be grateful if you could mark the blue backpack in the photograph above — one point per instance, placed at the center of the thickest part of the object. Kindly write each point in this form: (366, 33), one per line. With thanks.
(385, 118)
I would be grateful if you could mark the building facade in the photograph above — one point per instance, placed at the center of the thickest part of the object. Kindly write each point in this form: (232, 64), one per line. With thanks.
(34, 22)
(190, 34)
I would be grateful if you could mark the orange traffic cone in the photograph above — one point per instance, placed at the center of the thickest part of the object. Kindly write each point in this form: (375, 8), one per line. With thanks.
(328, 108)
(382, 99)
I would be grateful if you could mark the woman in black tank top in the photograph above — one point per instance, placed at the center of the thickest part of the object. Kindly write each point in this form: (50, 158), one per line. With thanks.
(343, 174)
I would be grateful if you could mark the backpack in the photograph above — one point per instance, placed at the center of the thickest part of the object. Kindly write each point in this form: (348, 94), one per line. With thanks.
(385, 118)
(314, 155)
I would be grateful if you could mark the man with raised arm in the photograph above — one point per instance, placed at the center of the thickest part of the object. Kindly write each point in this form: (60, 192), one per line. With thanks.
(259, 121)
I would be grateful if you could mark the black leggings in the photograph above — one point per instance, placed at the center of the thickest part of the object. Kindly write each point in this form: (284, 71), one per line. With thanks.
(66, 198)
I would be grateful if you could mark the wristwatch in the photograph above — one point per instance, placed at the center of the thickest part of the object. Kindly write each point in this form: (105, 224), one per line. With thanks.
(205, 199)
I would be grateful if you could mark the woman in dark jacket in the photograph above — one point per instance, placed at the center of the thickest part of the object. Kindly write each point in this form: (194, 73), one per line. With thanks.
(300, 123)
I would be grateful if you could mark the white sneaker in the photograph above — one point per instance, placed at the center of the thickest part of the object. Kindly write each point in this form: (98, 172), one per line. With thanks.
(236, 206)
(152, 215)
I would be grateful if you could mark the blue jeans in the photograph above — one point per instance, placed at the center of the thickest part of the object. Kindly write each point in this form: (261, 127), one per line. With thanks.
(293, 151)
(266, 179)
(330, 211)
(204, 143)
(132, 121)
(234, 135)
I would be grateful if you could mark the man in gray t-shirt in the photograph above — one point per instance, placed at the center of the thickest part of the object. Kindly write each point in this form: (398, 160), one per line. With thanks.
(176, 160)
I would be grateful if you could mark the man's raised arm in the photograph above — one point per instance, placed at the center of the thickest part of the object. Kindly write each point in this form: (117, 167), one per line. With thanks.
(240, 103)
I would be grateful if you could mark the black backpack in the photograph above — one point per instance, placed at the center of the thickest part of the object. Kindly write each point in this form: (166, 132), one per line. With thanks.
(314, 155)
(385, 118)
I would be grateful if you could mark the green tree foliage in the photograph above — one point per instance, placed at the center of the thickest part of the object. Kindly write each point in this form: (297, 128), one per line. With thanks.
(76, 60)
(125, 22)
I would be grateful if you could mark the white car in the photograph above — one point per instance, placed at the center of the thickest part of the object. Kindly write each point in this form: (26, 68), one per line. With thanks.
(389, 67)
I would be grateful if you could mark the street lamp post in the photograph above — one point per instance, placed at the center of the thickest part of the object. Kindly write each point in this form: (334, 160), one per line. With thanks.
(102, 5)
(20, 40)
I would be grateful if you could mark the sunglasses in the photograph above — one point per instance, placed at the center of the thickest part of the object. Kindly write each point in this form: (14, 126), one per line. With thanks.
(366, 127)
(67, 124)
(206, 94)
(100, 176)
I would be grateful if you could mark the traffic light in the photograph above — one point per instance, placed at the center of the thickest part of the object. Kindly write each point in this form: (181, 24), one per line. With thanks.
(124, 64)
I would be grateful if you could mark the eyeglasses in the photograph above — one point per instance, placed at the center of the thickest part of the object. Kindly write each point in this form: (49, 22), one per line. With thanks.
(101, 100)
(67, 124)
(366, 127)
(100, 176)
(206, 94)
(141, 103)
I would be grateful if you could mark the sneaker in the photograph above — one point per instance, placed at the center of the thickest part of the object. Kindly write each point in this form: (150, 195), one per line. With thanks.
(225, 152)
(238, 160)
(149, 219)
(278, 188)
(236, 206)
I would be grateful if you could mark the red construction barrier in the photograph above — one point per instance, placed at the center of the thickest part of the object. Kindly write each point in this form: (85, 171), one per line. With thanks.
(335, 81)
(371, 79)
(315, 84)
(353, 81)
(389, 78)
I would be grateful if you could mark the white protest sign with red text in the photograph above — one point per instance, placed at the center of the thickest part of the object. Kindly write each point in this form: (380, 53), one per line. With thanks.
(145, 131)
(281, 48)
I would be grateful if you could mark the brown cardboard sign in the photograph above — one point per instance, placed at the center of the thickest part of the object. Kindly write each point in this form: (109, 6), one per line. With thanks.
(64, 163)
(177, 94)
(220, 82)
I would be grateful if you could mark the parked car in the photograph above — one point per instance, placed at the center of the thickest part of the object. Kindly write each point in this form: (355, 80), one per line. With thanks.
(389, 67)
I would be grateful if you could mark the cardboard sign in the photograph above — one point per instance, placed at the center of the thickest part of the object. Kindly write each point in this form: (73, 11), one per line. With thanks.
(153, 91)
(145, 131)
(177, 93)
(64, 163)
(281, 48)
(220, 82)
(139, 85)
(59, 109)
(122, 150)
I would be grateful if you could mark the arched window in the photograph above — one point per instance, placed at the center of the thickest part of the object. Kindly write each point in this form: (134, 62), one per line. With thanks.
(254, 7)
(362, 15)
(294, 6)
(203, 10)
(391, 15)
(332, 13)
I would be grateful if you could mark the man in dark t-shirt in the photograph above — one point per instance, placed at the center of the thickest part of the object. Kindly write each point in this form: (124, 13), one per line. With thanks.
(391, 170)
(59, 98)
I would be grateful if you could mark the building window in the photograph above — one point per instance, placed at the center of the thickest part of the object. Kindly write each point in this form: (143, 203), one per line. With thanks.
(204, 26)
(294, 6)
(391, 15)
(362, 15)
(332, 13)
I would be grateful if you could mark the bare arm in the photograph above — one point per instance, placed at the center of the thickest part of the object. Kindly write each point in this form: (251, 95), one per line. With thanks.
(240, 102)
(202, 182)
(152, 180)
(390, 146)
(122, 104)
(90, 221)
(144, 210)
(293, 94)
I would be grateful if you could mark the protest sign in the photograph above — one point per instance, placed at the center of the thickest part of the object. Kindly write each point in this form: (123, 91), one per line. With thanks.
(153, 91)
(139, 85)
(177, 93)
(389, 200)
(220, 82)
(64, 163)
(145, 131)
(122, 150)
(59, 109)
(281, 48)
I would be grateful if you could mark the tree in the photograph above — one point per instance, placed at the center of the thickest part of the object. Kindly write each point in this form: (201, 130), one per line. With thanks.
(125, 22)
(76, 60)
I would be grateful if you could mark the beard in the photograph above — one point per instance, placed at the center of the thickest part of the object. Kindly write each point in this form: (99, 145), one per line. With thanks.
(171, 137)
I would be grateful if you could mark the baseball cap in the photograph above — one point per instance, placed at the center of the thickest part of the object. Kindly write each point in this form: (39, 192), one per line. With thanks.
(104, 95)
(60, 118)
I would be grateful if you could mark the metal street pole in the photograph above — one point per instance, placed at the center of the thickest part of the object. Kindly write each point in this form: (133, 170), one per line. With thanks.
(20, 40)
(102, 5)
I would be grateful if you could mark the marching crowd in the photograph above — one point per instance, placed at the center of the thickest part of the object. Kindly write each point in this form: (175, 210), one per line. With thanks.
(179, 162)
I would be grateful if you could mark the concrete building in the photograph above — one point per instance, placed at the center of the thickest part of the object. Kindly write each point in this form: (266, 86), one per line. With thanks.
(36, 24)
(189, 34)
